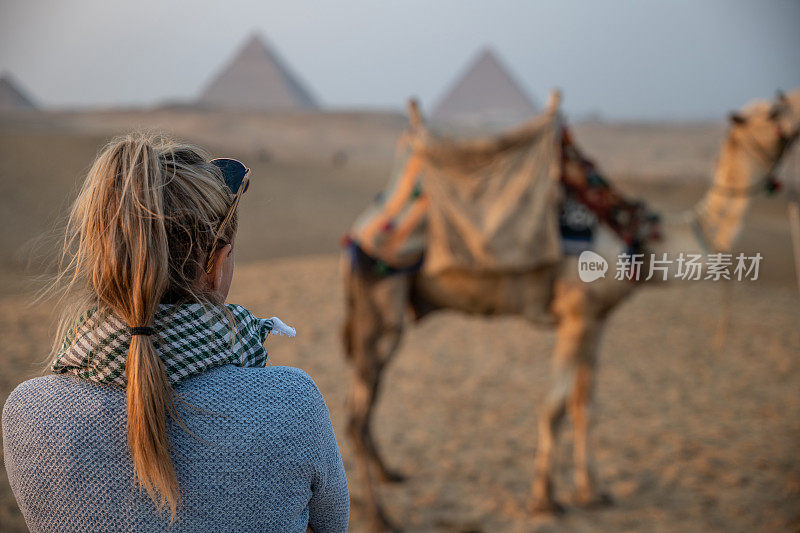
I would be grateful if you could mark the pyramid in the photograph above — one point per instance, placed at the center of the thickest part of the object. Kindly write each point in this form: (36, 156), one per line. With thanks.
(11, 96)
(485, 93)
(256, 79)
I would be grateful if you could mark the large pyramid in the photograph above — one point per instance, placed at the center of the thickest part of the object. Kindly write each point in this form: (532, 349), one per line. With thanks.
(256, 79)
(12, 98)
(485, 94)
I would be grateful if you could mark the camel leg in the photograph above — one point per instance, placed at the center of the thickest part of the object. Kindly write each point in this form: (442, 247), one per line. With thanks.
(580, 409)
(377, 331)
(550, 419)
(363, 393)
(373, 332)
(576, 340)
(363, 397)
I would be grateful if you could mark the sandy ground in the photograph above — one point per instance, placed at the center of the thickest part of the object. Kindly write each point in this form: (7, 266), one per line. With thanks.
(687, 438)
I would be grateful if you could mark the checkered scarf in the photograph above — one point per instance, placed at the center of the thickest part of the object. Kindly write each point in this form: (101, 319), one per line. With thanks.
(190, 338)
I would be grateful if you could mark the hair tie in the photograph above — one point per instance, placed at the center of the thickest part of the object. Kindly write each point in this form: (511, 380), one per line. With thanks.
(142, 330)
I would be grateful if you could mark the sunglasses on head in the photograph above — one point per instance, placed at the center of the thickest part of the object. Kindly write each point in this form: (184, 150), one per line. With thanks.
(235, 173)
(237, 178)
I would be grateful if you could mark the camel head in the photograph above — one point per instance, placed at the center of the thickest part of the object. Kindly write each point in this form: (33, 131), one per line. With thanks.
(758, 136)
(765, 129)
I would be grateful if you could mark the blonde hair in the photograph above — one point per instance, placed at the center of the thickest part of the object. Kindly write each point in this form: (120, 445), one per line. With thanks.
(150, 213)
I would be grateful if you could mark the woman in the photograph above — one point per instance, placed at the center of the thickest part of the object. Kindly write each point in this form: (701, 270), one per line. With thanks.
(158, 385)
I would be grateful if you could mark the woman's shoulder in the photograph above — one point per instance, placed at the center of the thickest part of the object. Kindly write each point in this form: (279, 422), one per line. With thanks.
(42, 389)
(270, 377)
(238, 389)
(43, 401)
(253, 380)
(270, 388)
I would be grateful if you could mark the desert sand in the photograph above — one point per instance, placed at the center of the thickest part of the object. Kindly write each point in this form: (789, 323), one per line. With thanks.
(687, 438)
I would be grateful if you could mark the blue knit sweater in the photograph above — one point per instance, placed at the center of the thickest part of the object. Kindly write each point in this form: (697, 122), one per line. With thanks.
(263, 456)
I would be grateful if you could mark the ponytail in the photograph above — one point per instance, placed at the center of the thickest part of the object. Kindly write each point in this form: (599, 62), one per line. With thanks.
(149, 398)
(139, 234)
(143, 260)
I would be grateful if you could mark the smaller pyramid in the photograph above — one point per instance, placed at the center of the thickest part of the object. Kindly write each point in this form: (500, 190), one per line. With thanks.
(256, 78)
(485, 93)
(12, 97)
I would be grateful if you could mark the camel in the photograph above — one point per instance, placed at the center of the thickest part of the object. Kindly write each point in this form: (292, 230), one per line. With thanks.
(376, 308)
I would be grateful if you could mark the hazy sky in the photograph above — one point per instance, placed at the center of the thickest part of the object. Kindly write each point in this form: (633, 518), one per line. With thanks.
(625, 59)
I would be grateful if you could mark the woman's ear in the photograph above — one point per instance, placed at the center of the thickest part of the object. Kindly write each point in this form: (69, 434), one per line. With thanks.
(215, 275)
